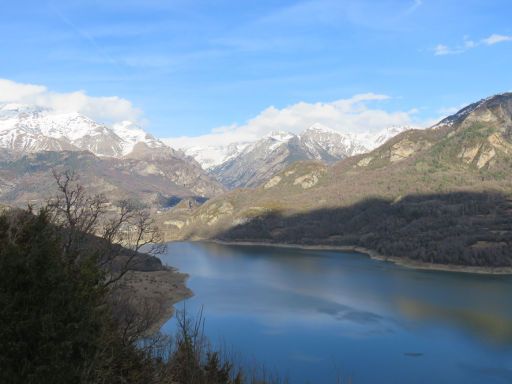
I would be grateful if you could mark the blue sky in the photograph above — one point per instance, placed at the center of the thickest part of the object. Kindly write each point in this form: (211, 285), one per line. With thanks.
(188, 67)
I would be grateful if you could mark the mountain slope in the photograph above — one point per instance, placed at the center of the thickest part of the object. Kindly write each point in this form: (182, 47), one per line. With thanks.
(122, 160)
(476, 138)
(263, 159)
(248, 165)
(25, 128)
(157, 182)
(458, 168)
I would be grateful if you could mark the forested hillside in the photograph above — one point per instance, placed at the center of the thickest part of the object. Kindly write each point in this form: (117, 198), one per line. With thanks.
(439, 195)
(470, 229)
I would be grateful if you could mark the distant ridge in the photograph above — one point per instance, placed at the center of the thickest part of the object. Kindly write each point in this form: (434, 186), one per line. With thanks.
(249, 164)
(27, 128)
(437, 195)
(121, 161)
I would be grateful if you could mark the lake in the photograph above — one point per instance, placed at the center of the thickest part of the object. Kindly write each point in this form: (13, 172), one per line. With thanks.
(315, 316)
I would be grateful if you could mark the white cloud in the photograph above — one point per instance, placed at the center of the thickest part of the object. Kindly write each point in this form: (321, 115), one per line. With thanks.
(11, 91)
(495, 39)
(107, 110)
(442, 49)
(351, 115)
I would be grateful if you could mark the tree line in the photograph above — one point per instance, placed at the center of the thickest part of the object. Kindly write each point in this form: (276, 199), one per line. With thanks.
(461, 228)
(64, 318)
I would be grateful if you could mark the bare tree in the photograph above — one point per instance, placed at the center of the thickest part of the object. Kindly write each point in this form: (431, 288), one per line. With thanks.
(119, 232)
(136, 316)
(117, 238)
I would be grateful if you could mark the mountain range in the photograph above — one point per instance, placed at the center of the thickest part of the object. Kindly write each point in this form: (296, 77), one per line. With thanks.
(27, 128)
(35, 140)
(439, 195)
(122, 161)
(249, 164)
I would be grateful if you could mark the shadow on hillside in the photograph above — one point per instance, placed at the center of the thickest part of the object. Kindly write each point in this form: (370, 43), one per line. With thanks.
(462, 228)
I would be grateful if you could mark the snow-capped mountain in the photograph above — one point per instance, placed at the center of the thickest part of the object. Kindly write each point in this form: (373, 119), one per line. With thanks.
(213, 155)
(260, 160)
(323, 143)
(468, 110)
(26, 128)
(371, 141)
(318, 142)
(122, 161)
(247, 164)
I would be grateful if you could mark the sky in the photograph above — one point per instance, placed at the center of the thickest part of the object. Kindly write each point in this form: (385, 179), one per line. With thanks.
(233, 70)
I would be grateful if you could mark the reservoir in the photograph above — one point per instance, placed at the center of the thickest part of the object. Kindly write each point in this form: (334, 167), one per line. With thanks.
(319, 316)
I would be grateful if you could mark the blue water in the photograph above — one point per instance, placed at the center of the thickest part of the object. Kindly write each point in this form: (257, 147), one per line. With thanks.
(316, 316)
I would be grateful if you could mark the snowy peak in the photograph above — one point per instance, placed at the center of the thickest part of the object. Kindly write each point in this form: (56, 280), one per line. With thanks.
(326, 144)
(214, 155)
(26, 128)
(264, 158)
(381, 137)
(315, 142)
(132, 134)
(503, 100)
(271, 142)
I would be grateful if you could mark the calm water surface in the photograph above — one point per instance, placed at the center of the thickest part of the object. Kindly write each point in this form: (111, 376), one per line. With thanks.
(318, 315)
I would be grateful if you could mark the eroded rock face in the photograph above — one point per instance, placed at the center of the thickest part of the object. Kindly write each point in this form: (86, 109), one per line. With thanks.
(499, 142)
(306, 181)
(365, 161)
(484, 153)
(272, 182)
(469, 154)
(403, 149)
(485, 157)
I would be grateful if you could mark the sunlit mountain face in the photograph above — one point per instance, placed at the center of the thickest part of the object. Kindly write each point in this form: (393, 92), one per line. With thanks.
(29, 128)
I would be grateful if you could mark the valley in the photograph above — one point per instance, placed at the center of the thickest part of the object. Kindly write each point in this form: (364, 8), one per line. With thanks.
(439, 195)
(449, 184)
(256, 192)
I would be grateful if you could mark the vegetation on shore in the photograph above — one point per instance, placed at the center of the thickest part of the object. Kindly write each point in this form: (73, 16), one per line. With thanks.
(66, 317)
(468, 229)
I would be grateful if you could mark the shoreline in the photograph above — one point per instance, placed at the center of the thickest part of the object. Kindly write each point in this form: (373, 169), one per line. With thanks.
(181, 293)
(163, 288)
(403, 262)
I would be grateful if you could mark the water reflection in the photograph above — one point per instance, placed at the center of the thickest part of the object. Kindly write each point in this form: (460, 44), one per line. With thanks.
(304, 309)
(491, 326)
